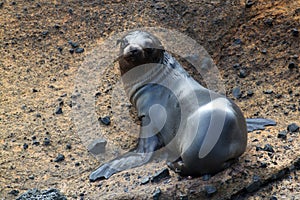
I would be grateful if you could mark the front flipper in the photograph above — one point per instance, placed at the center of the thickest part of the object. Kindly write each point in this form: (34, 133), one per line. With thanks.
(137, 157)
(259, 124)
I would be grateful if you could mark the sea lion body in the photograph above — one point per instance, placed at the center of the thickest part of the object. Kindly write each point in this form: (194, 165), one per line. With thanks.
(202, 131)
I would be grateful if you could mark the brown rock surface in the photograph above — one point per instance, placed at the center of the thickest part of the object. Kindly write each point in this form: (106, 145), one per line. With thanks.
(38, 74)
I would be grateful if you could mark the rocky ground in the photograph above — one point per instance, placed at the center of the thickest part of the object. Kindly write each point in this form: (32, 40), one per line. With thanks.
(44, 47)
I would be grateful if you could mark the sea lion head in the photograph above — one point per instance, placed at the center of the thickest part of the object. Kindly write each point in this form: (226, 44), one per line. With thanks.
(139, 48)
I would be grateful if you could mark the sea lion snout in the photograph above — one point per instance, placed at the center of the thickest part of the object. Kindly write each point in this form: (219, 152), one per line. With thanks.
(132, 52)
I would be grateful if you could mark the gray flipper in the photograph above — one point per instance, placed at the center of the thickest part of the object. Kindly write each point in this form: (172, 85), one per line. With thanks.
(134, 158)
(259, 124)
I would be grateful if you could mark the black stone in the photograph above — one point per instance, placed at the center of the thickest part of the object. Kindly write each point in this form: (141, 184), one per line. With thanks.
(268, 148)
(282, 134)
(293, 128)
(98, 94)
(183, 197)
(236, 92)
(206, 177)
(35, 194)
(68, 146)
(273, 198)
(237, 41)
(59, 49)
(250, 93)
(79, 50)
(14, 192)
(97, 146)
(295, 32)
(160, 175)
(34, 90)
(25, 146)
(292, 65)
(56, 26)
(46, 141)
(156, 194)
(59, 158)
(73, 44)
(58, 111)
(264, 51)
(258, 148)
(35, 142)
(255, 185)
(242, 73)
(268, 92)
(236, 66)
(269, 22)
(45, 33)
(263, 165)
(145, 180)
(1, 4)
(105, 120)
(249, 3)
(210, 190)
(71, 51)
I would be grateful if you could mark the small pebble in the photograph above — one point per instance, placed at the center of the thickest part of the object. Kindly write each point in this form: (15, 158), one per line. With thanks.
(68, 146)
(58, 111)
(206, 177)
(236, 92)
(35, 142)
(242, 73)
(71, 51)
(269, 22)
(45, 33)
(160, 175)
(255, 185)
(268, 148)
(25, 146)
(249, 3)
(282, 134)
(79, 50)
(59, 158)
(210, 190)
(295, 32)
(264, 51)
(14, 192)
(73, 44)
(46, 141)
(293, 128)
(250, 93)
(268, 92)
(145, 180)
(292, 65)
(105, 120)
(273, 198)
(97, 146)
(156, 194)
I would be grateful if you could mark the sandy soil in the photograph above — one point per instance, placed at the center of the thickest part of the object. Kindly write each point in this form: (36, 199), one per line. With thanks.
(40, 67)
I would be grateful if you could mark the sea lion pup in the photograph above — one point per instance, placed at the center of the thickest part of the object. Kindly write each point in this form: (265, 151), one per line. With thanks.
(202, 131)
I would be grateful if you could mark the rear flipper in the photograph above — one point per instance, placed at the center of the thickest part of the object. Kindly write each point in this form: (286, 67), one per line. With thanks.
(139, 156)
(259, 124)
